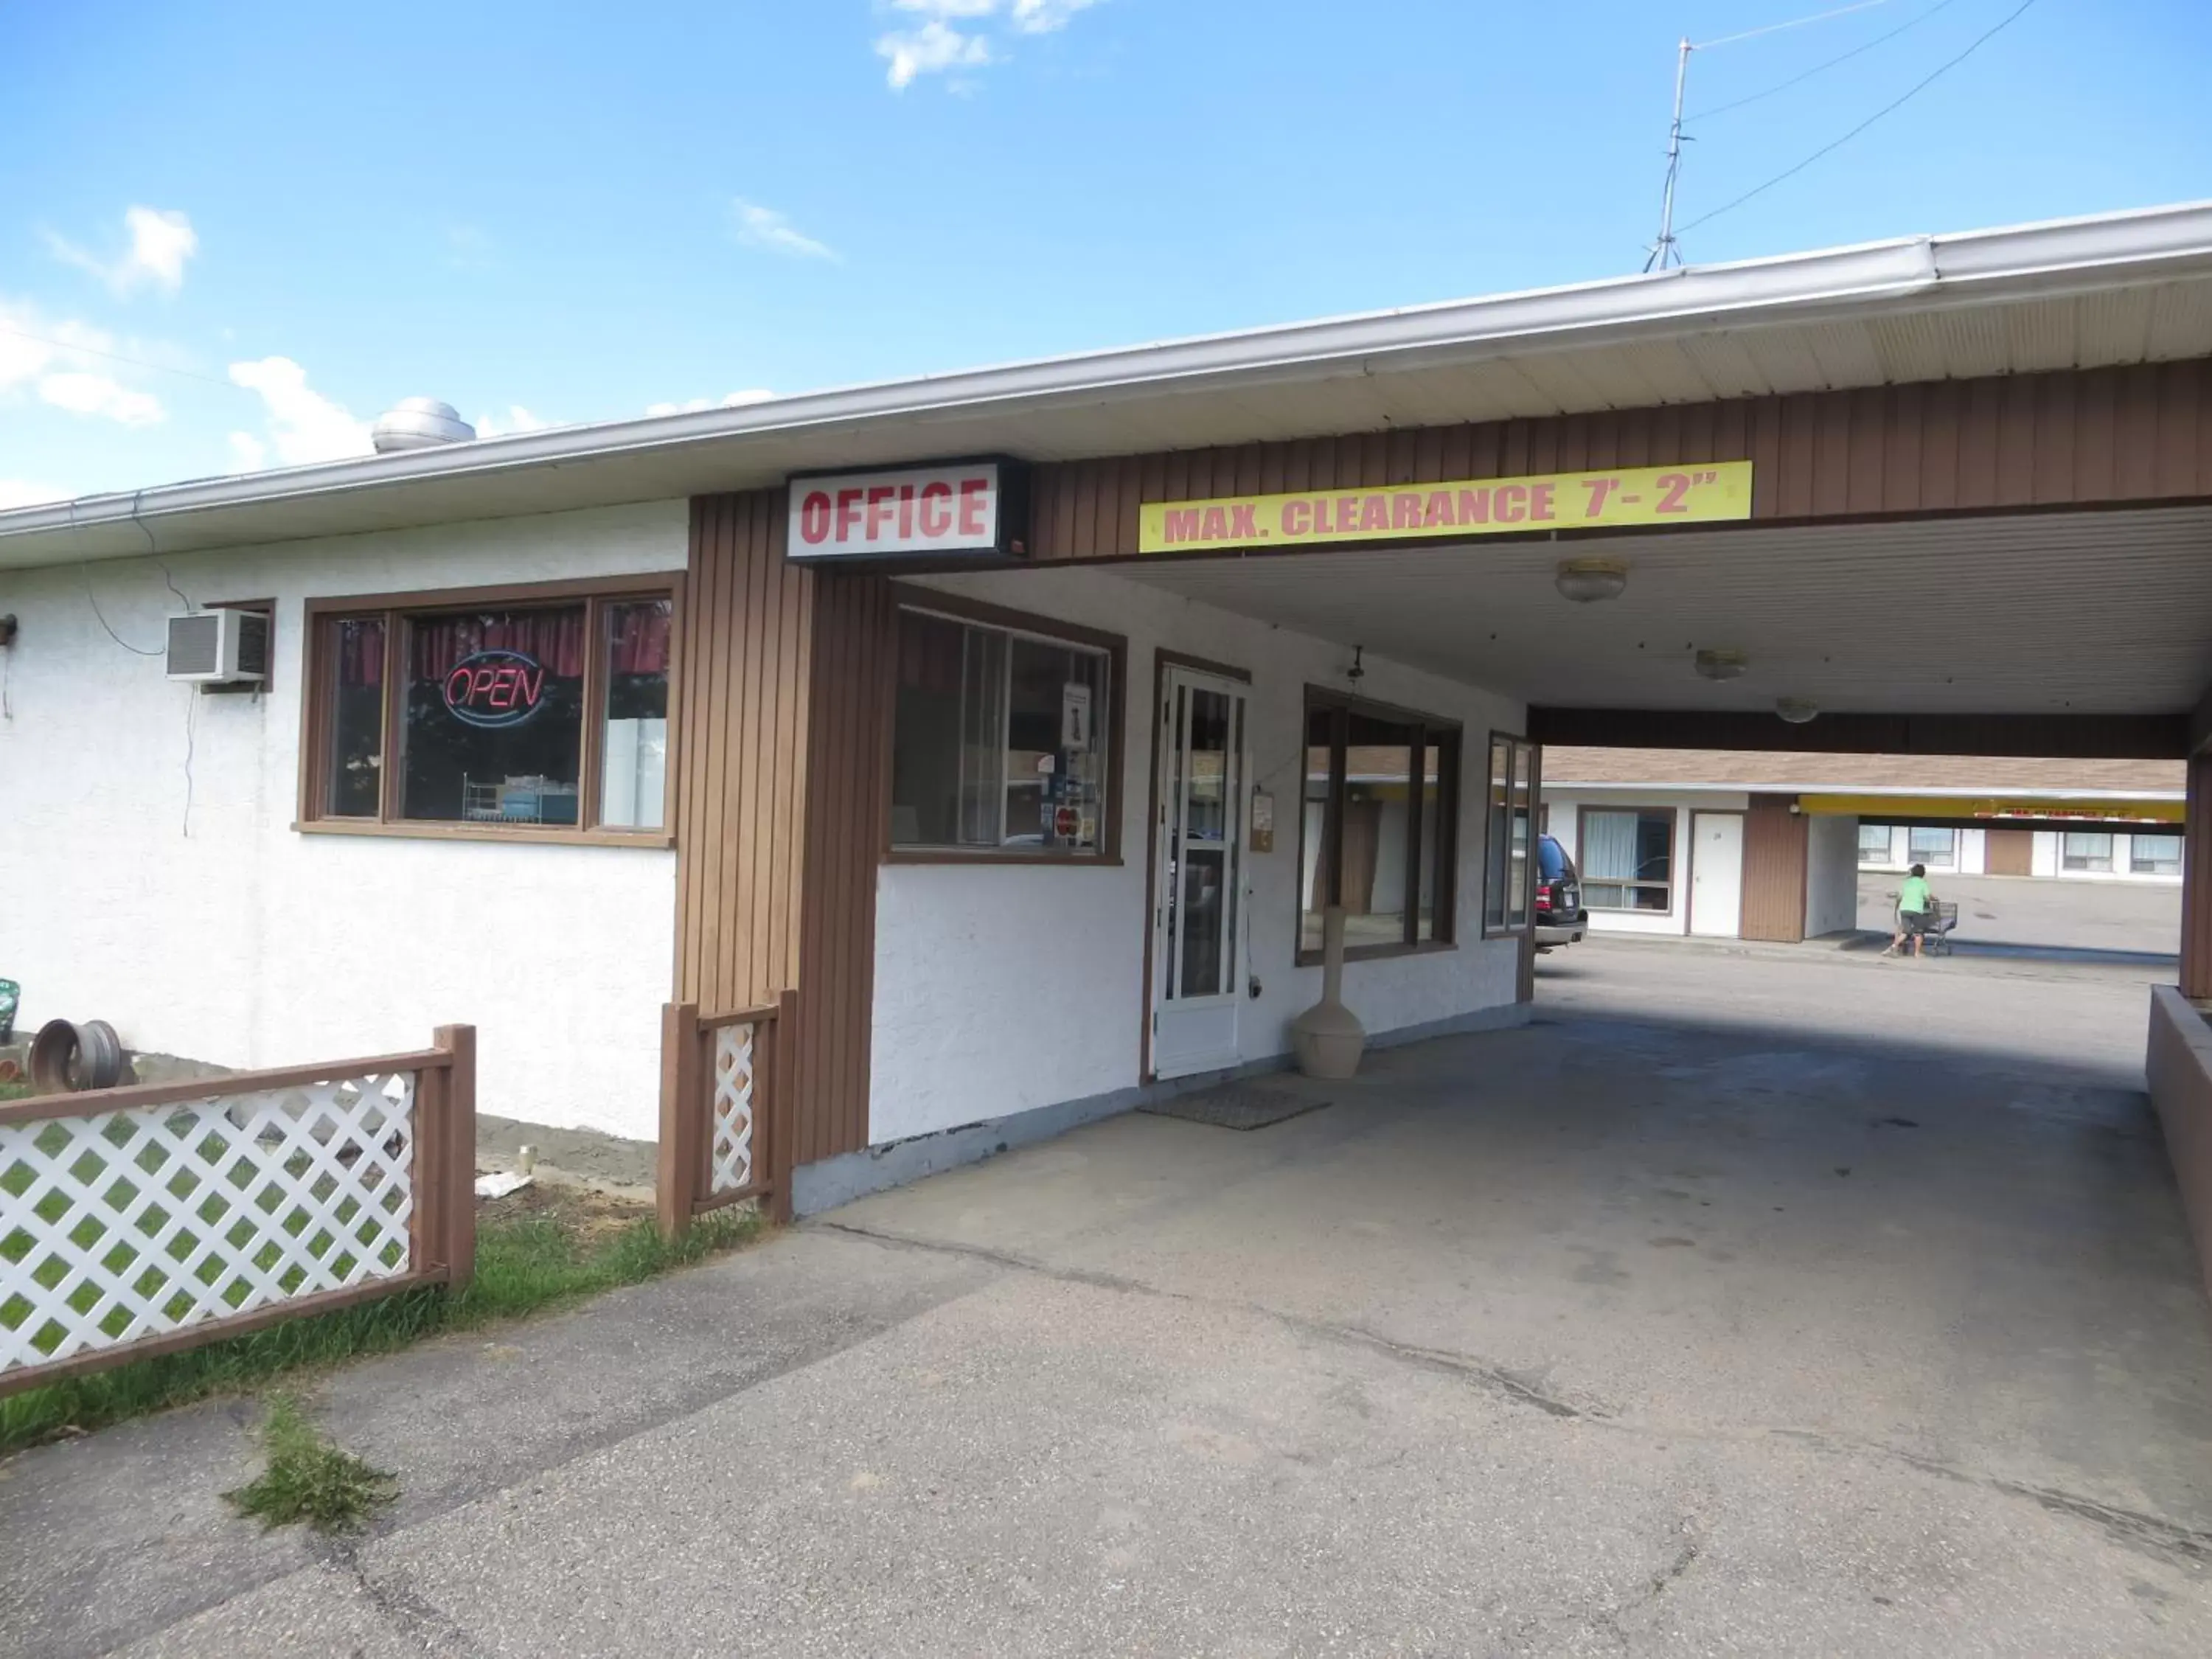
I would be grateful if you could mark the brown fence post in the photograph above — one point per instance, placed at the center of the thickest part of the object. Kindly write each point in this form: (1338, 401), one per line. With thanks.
(458, 1130)
(676, 1180)
(783, 1080)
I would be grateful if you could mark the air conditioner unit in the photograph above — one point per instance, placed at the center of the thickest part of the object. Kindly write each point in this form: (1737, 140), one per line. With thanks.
(219, 647)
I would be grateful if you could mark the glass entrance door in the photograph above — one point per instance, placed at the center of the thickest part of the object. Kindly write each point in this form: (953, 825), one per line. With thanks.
(1199, 874)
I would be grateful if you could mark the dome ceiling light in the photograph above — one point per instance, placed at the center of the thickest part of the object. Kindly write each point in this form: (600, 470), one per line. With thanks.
(1797, 711)
(1587, 580)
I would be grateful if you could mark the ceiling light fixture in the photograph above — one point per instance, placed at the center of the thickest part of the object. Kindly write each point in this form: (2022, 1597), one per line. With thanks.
(1722, 665)
(1796, 710)
(1586, 581)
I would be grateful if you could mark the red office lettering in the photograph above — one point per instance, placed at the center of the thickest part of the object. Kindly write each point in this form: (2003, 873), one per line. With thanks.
(1243, 524)
(1475, 506)
(1539, 501)
(879, 513)
(906, 511)
(1438, 510)
(1511, 503)
(848, 513)
(1599, 489)
(1297, 517)
(1405, 511)
(974, 495)
(814, 516)
(936, 517)
(1215, 526)
(1181, 524)
(1375, 514)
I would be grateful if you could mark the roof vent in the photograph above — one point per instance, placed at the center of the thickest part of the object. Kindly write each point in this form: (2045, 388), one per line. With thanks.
(420, 423)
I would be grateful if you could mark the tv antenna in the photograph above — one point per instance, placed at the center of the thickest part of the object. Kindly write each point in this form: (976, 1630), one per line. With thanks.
(1666, 250)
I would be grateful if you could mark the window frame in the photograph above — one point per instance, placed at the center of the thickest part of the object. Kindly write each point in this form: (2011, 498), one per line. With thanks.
(1673, 816)
(2087, 867)
(395, 611)
(1449, 737)
(958, 608)
(1948, 861)
(1887, 855)
(2137, 867)
(1506, 926)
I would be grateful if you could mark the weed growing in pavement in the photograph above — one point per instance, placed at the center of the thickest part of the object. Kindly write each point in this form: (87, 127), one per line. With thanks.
(310, 1479)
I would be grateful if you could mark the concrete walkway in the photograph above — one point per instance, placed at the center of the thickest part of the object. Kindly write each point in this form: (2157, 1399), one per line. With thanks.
(1749, 1304)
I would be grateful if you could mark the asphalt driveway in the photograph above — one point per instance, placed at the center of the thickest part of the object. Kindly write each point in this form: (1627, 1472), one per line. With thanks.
(1750, 1303)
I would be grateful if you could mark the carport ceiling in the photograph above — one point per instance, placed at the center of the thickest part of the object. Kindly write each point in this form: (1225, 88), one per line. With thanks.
(2106, 613)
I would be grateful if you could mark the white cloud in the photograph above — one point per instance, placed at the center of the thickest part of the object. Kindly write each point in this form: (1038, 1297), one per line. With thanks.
(693, 405)
(21, 492)
(930, 50)
(61, 363)
(764, 227)
(936, 48)
(517, 419)
(1043, 16)
(82, 393)
(160, 242)
(252, 453)
(304, 426)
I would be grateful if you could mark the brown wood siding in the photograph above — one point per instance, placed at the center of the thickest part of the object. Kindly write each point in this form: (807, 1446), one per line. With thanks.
(780, 801)
(2196, 882)
(855, 657)
(1774, 856)
(2073, 436)
(2009, 852)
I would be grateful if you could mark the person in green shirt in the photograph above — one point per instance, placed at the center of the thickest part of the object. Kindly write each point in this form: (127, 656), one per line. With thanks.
(1915, 911)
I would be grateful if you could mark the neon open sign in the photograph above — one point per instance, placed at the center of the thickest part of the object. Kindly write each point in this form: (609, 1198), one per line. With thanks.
(494, 688)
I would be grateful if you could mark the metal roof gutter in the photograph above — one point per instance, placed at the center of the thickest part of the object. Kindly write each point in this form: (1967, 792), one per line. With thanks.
(1979, 267)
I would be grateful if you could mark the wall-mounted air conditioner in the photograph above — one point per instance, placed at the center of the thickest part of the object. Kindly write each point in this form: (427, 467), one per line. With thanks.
(219, 647)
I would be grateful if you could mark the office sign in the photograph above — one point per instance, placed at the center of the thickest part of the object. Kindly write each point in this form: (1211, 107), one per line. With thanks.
(951, 507)
(1610, 498)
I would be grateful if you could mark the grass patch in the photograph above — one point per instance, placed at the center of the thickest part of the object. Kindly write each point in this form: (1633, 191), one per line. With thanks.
(543, 1248)
(310, 1478)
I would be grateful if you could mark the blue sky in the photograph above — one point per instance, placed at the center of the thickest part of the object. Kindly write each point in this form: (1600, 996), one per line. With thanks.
(292, 216)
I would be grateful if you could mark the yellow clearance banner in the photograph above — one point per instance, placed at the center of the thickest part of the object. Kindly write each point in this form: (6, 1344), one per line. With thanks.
(1606, 499)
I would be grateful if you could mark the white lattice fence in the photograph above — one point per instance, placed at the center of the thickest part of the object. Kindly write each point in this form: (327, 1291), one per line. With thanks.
(730, 1148)
(723, 1093)
(154, 1218)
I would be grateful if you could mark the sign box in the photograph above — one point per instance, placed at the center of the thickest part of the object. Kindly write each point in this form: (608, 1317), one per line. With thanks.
(962, 508)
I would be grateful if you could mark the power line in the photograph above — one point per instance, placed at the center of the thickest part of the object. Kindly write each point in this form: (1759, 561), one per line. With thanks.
(1822, 68)
(116, 357)
(1794, 23)
(1911, 93)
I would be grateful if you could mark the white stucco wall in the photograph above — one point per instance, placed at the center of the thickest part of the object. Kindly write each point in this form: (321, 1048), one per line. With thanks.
(1566, 805)
(225, 934)
(1832, 875)
(1001, 988)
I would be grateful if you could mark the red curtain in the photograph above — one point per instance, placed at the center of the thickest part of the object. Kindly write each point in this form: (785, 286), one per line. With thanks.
(359, 642)
(554, 639)
(637, 638)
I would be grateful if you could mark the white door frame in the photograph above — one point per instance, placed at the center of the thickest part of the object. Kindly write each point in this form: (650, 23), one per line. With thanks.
(1171, 728)
(1742, 834)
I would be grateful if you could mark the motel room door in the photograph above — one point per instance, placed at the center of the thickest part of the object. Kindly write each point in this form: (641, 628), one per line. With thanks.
(1198, 873)
(1716, 874)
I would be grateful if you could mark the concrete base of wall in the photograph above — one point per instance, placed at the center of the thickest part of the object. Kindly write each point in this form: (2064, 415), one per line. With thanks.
(2179, 1064)
(840, 1180)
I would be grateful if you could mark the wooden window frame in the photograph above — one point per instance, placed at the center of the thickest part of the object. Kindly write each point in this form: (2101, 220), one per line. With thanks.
(395, 610)
(1506, 927)
(955, 607)
(1450, 739)
(1674, 837)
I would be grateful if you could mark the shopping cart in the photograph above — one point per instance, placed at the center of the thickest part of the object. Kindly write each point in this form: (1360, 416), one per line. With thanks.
(1934, 932)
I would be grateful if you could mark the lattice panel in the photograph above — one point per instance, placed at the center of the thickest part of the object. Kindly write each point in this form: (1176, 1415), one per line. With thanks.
(731, 1147)
(134, 1223)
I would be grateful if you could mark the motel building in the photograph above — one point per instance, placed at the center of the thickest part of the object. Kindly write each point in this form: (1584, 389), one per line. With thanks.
(1019, 725)
(1771, 846)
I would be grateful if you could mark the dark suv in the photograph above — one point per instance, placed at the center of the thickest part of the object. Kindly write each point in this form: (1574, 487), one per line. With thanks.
(1560, 918)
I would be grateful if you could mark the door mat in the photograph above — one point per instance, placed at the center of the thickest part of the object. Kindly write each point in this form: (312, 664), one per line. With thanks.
(1237, 1106)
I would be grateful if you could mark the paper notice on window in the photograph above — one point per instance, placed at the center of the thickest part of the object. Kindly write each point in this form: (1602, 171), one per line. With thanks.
(1075, 719)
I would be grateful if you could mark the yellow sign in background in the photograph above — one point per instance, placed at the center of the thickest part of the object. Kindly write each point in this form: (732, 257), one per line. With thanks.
(1603, 499)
